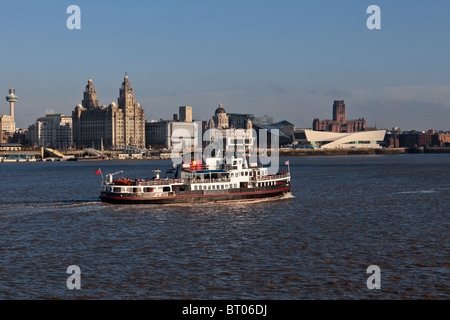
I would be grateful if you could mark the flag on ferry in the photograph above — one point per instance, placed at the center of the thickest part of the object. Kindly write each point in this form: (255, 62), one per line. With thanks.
(98, 172)
(286, 162)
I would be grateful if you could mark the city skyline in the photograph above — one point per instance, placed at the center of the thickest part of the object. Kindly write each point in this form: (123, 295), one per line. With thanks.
(287, 59)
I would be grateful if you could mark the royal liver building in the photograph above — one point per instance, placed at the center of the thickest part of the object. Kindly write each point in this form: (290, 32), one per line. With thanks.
(117, 125)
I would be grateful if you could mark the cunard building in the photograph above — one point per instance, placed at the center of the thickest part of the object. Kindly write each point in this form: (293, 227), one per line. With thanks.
(113, 126)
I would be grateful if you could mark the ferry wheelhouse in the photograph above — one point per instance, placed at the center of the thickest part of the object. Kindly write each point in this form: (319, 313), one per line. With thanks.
(197, 183)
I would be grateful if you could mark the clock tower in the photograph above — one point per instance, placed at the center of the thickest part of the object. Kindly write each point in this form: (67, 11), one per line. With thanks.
(133, 116)
(126, 94)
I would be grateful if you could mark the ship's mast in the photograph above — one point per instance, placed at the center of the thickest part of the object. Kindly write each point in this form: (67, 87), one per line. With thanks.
(157, 171)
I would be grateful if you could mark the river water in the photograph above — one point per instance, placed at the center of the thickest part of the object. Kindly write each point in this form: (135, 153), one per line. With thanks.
(344, 214)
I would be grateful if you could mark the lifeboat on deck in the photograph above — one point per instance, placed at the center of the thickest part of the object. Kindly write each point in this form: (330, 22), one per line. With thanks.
(126, 182)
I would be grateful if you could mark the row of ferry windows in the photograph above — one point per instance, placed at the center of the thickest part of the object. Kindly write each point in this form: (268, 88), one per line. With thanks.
(265, 184)
(226, 186)
(243, 173)
(215, 187)
(135, 190)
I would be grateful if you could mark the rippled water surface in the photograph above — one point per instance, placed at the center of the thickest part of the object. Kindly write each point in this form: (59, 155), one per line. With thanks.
(344, 214)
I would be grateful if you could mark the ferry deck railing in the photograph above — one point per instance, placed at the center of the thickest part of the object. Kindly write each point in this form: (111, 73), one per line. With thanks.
(159, 182)
(271, 177)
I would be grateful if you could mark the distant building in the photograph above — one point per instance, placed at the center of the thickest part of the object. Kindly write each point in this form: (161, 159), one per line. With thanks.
(285, 132)
(332, 140)
(237, 134)
(20, 136)
(53, 131)
(267, 121)
(8, 122)
(158, 134)
(392, 140)
(121, 124)
(185, 114)
(220, 119)
(417, 139)
(286, 127)
(441, 139)
(239, 120)
(339, 122)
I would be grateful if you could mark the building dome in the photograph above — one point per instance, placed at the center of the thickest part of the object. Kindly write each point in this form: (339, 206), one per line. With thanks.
(220, 109)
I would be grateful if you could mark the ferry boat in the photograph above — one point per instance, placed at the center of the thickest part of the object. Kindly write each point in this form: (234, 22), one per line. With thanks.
(199, 183)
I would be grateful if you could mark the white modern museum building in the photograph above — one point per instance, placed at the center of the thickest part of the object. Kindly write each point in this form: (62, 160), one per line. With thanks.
(333, 140)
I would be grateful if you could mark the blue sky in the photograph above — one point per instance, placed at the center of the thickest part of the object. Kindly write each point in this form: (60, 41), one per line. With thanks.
(286, 59)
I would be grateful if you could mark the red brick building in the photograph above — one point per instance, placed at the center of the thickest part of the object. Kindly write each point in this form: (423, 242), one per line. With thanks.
(441, 140)
(339, 122)
(415, 139)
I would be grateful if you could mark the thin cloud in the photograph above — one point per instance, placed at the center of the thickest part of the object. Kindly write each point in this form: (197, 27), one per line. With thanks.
(277, 87)
(338, 94)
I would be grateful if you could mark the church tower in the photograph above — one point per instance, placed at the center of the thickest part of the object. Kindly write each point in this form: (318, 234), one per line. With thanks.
(339, 112)
(90, 96)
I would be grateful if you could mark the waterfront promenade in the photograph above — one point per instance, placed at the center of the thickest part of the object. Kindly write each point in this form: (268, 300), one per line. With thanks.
(79, 155)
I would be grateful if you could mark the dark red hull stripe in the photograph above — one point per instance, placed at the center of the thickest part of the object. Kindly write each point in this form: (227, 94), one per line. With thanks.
(198, 195)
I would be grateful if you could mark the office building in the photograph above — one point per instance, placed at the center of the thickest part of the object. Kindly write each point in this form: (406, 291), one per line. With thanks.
(52, 131)
(185, 114)
(160, 134)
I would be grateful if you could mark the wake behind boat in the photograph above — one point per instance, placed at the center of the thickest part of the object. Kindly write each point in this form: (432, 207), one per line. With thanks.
(197, 183)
